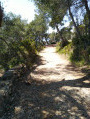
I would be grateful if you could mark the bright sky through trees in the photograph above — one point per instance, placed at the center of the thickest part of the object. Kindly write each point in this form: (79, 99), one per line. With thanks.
(25, 8)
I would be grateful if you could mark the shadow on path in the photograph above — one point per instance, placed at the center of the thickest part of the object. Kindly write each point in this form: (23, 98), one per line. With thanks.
(48, 100)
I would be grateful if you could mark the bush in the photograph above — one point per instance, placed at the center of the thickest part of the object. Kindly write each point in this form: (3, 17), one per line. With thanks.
(78, 50)
(62, 44)
(81, 50)
(67, 50)
(22, 53)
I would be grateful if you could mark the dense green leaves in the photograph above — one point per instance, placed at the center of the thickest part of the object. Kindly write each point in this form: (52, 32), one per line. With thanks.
(37, 28)
(78, 12)
(18, 41)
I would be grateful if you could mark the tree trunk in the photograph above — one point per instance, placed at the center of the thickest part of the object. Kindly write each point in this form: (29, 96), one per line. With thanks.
(41, 40)
(71, 15)
(59, 32)
(1, 14)
(46, 40)
(86, 27)
(64, 42)
(88, 14)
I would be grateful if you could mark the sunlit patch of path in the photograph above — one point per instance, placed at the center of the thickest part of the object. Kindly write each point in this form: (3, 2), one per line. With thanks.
(54, 67)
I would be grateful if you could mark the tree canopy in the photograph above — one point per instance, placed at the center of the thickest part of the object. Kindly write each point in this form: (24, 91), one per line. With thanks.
(20, 41)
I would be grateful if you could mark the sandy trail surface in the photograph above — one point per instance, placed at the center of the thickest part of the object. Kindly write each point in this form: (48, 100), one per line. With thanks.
(55, 67)
(59, 90)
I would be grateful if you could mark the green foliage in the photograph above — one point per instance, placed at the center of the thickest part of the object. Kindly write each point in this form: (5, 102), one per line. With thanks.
(66, 33)
(81, 50)
(37, 29)
(16, 45)
(78, 51)
(67, 50)
(39, 46)
(20, 42)
(52, 37)
(79, 18)
(62, 44)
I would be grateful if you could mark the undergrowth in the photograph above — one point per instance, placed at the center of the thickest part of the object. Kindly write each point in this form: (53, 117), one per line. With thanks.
(77, 52)
(67, 50)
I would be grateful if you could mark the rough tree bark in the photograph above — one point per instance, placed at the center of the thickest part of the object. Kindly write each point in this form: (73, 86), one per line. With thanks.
(71, 15)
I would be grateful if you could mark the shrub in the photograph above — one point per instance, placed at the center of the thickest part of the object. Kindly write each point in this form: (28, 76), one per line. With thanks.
(81, 50)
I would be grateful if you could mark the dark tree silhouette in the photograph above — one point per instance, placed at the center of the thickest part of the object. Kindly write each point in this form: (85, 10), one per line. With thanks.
(1, 14)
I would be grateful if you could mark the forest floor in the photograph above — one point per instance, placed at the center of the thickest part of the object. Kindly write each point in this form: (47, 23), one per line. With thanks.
(55, 89)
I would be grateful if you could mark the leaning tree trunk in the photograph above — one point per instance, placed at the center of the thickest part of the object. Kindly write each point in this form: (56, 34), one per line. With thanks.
(86, 26)
(41, 40)
(64, 42)
(59, 32)
(46, 40)
(88, 14)
(71, 15)
(1, 14)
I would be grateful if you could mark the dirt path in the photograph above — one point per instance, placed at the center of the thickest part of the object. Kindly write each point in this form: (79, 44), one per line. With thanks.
(54, 67)
(58, 91)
